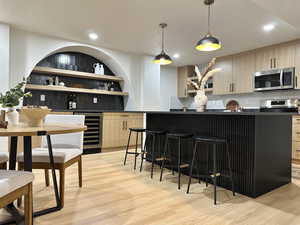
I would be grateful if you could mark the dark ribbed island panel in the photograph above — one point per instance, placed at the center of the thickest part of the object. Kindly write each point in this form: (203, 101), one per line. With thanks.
(244, 143)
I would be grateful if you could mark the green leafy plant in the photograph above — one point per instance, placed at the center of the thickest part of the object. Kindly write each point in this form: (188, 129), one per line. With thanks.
(12, 97)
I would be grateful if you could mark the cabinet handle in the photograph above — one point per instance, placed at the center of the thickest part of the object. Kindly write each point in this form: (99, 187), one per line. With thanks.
(126, 124)
(233, 87)
(271, 63)
(185, 92)
(123, 125)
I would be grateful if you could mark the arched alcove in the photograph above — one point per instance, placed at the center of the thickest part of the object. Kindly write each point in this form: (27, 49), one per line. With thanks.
(105, 102)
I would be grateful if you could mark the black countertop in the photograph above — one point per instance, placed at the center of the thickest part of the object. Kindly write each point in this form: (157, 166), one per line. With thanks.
(186, 113)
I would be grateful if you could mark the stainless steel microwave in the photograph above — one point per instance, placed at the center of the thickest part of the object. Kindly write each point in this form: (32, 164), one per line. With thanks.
(274, 79)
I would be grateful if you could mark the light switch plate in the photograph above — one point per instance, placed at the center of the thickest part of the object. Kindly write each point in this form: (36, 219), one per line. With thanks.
(95, 100)
(42, 98)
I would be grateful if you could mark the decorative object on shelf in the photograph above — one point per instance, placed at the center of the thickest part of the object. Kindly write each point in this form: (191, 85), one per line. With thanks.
(209, 42)
(62, 84)
(199, 84)
(112, 86)
(233, 106)
(50, 81)
(56, 81)
(72, 102)
(98, 68)
(34, 116)
(11, 99)
(163, 58)
(3, 123)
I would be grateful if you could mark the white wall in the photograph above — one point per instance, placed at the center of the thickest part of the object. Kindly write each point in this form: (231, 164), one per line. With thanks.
(168, 86)
(150, 85)
(4, 68)
(27, 49)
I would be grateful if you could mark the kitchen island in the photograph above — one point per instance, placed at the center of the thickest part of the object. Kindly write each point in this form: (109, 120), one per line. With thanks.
(259, 143)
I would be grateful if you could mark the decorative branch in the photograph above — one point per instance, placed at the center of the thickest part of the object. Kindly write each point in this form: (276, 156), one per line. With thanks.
(207, 76)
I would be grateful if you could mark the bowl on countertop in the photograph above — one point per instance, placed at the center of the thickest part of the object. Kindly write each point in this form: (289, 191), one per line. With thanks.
(34, 117)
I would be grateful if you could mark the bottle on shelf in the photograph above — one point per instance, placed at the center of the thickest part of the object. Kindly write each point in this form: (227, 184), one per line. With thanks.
(112, 86)
(69, 102)
(74, 102)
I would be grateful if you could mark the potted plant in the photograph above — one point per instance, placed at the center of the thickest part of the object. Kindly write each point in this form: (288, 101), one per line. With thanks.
(11, 99)
(199, 84)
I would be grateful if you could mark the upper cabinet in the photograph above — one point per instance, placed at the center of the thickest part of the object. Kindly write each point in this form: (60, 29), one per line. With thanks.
(243, 70)
(275, 57)
(223, 80)
(183, 73)
(236, 74)
(297, 65)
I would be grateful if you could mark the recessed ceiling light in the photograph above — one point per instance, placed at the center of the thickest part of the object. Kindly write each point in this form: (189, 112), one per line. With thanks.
(176, 56)
(93, 36)
(268, 27)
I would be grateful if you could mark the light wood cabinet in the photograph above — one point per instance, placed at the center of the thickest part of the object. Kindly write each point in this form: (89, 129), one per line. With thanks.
(276, 57)
(183, 73)
(116, 126)
(243, 70)
(297, 65)
(296, 140)
(223, 80)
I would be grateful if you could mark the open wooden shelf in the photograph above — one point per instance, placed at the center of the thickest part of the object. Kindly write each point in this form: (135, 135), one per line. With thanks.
(77, 90)
(77, 74)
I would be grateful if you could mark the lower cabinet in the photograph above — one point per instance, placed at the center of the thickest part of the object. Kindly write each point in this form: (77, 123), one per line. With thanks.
(115, 129)
(296, 140)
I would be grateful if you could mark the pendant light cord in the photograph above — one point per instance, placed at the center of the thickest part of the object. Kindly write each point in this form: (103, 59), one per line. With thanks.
(208, 21)
(162, 39)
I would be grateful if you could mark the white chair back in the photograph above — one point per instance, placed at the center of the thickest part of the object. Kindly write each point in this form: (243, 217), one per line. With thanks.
(72, 140)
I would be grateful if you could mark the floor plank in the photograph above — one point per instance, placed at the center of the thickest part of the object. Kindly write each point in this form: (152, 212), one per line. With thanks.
(116, 195)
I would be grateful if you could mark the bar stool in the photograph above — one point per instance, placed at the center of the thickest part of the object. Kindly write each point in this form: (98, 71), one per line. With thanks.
(214, 141)
(152, 147)
(135, 153)
(178, 137)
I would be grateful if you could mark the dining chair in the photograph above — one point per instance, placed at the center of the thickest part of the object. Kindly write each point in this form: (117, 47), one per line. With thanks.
(15, 184)
(3, 160)
(67, 150)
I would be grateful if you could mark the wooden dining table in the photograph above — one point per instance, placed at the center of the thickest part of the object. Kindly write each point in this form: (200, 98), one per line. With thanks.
(26, 132)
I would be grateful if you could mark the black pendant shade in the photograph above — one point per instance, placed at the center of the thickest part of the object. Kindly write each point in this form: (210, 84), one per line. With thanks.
(163, 58)
(209, 42)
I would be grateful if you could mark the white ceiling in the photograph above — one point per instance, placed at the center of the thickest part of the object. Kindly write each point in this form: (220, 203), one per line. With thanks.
(132, 25)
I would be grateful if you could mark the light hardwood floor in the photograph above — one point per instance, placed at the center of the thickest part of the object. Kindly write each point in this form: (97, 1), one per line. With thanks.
(116, 195)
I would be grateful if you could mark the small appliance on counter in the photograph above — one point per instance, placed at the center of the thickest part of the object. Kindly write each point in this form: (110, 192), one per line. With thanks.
(279, 105)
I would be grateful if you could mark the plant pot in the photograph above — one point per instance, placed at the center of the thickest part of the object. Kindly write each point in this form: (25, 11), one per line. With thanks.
(200, 101)
(12, 117)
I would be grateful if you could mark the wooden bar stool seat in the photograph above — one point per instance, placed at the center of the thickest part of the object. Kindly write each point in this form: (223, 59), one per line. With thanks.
(214, 174)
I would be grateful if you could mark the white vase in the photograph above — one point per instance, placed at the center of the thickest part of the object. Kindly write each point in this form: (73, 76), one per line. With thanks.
(12, 117)
(200, 101)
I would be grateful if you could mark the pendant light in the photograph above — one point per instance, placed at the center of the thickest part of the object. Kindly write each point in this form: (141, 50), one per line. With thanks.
(209, 42)
(163, 58)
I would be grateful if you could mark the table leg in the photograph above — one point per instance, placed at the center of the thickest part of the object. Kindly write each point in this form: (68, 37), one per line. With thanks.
(13, 153)
(57, 198)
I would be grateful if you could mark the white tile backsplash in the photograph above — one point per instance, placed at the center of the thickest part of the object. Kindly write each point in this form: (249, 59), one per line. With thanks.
(248, 100)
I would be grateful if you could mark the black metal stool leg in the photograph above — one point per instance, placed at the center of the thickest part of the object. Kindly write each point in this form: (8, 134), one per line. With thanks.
(215, 173)
(179, 162)
(164, 158)
(191, 167)
(207, 165)
(143, 152)
(152, 155)
(230, 170)
(127, 148)
(136, 153)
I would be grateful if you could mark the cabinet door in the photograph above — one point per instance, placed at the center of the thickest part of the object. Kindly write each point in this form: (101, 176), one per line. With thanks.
(243, 72)
(297, 65)
(223, 80)
(284, 55)
(264, 59)
(111, 132)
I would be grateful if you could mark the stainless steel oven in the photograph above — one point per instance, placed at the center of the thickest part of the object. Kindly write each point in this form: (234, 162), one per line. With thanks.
(274, 79)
